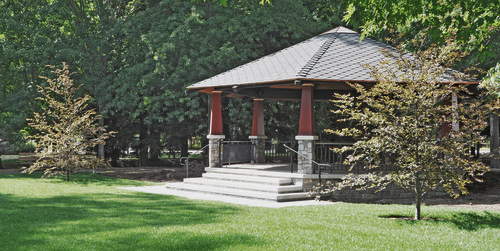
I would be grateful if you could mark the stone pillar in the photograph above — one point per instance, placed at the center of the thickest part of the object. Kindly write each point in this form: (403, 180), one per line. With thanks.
(215, 149)
(258, 149)
(494, 141)
(306, 148)
(306, 138)
(216, 135)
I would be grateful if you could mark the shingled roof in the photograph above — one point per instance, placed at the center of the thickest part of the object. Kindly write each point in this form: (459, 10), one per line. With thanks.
(335, 55)
(331, 58)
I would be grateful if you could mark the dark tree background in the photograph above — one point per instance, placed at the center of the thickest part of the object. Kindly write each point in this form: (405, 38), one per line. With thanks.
(135, 57)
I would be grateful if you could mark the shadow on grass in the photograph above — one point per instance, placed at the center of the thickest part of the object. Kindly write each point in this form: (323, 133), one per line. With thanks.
(470, 221)
(100, 219)
(82, 178)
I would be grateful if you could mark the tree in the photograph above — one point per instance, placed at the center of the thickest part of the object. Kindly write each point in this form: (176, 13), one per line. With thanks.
(476, 24)
(425, 125)
(66, 129)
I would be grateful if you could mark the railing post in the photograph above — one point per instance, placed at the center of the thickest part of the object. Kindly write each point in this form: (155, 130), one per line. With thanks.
(215, 150)
(320, 166)
(187, 160)
(258, 149)
(306, 146)
(291, 158)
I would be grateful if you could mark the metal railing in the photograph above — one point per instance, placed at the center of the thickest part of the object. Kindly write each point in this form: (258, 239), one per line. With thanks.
(319, 165)
(184, 161)
(276, 152)
(237, 152)
(324, 153)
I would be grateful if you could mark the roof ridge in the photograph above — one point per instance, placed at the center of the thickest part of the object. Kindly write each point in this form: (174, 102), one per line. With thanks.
(317, 56)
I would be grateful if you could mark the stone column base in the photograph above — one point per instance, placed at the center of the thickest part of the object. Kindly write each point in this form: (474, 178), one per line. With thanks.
(305, 148)
(215, 150)
(258, 149)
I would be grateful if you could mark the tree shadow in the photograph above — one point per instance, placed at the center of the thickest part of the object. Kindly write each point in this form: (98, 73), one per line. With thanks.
(36, 222)
(469, 221)
(473, 221)
(81, 178)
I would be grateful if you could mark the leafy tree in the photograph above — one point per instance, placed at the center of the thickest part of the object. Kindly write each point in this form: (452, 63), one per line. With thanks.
(476, 24)
(409, 115)
(66, 129)
(135, 59)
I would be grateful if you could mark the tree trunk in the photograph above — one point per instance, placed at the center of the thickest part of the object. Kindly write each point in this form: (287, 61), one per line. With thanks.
(67, 175)
(115, 155)
(418, 199)
(143, 147)
(494, 140)
(155, 146)
(184, 147)
(100, 151)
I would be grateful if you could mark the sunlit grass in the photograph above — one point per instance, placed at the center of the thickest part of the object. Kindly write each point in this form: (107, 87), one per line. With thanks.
(90, 213)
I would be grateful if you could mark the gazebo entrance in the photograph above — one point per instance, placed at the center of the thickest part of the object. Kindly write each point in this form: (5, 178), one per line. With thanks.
(310, 71)
(245, 152)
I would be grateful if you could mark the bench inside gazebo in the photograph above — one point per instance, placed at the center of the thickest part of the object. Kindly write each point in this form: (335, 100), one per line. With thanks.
(310, 71)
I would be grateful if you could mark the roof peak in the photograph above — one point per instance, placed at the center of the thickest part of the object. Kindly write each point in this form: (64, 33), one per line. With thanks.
(340, 29)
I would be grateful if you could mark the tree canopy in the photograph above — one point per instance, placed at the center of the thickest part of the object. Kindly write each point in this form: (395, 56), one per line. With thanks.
(475, 24)
(136, 57)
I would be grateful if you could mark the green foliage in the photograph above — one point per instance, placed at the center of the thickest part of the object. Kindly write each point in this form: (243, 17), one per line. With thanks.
(425, 125)
(65, 131)
(135, 59)
(475, 23)
(492, 80)
(18, 143)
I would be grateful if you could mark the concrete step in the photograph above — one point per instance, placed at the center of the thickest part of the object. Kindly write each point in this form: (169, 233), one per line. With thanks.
(244, 185)
(253, 172)
(248, 178)
(239, 192)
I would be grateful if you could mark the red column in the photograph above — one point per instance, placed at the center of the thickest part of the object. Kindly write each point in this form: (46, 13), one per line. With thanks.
(216, 114)
(306, 126)
(258, 118)
(447, 127)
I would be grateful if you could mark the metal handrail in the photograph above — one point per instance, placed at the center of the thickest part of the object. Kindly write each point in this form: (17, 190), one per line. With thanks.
(187, 160)
(320, 166)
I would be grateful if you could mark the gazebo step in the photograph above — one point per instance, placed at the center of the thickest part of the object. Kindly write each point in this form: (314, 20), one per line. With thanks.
(252, 172)
(238, 192)
(245, 185)
(248, 178)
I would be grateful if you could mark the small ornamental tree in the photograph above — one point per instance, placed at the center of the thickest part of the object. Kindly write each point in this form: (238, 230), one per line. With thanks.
(66, 130)
(419, 116)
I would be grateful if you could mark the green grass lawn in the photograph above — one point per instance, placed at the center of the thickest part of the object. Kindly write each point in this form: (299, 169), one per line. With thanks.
(90, 213)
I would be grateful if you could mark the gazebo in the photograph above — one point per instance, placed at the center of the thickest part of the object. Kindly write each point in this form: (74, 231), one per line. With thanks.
(309, 71)
(312, 70)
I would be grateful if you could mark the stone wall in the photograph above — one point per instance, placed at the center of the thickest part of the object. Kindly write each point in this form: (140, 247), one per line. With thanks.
(392, 192)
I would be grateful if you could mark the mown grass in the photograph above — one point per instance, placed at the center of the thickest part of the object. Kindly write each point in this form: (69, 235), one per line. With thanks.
(90, 213)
